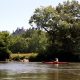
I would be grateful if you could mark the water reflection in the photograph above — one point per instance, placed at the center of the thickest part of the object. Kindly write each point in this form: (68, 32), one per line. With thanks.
(39, 71)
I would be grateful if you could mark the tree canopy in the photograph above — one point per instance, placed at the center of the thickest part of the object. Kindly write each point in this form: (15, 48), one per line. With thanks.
(4, 43)
(62, 23)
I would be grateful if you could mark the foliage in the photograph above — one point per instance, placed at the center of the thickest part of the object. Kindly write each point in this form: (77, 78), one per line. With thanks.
(4, 43)
(57, 34)
(63, 27)
(32, 40)
(38, 41)
(19, 31)
(18, 44)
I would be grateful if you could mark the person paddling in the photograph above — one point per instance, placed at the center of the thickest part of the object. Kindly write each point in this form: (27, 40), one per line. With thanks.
(56, 60)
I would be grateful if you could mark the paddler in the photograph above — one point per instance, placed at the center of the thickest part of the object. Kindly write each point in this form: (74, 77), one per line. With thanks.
(56, 60)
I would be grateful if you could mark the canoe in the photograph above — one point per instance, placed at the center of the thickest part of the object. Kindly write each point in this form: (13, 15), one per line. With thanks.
(55, 62)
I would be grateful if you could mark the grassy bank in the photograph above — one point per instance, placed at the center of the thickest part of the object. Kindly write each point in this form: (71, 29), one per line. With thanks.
(17, 56)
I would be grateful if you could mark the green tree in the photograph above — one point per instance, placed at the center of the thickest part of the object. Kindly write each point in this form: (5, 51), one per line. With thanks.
(37, 40)
(4, 44)
(18, 44)
(32, 40)
(63, 26)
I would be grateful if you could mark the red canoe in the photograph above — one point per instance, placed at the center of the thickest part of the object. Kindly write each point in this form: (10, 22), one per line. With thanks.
(55, 62)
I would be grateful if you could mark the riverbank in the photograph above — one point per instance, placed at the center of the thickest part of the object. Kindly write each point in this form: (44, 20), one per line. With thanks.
(21, 56)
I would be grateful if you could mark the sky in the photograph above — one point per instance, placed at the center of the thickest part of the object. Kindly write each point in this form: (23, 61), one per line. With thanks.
(16, 13)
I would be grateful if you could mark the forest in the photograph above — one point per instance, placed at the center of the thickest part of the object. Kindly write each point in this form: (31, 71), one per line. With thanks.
(56, 34)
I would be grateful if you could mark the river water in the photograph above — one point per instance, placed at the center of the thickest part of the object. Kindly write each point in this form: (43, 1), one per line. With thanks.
(39, 71)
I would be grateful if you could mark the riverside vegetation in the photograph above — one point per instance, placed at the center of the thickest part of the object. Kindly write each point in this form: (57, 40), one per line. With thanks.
(57, 34)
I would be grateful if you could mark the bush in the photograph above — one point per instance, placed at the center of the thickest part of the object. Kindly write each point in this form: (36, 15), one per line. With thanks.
(16, 58)
(32, 58)
(4, 54)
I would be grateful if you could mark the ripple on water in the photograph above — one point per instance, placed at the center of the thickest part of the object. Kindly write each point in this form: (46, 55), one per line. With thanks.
(18, 67)
(39, 71)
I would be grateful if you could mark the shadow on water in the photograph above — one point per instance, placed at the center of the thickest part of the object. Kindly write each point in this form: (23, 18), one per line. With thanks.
(39, 71)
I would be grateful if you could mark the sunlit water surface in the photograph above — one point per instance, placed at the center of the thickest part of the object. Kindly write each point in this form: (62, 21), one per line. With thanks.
(39, 71)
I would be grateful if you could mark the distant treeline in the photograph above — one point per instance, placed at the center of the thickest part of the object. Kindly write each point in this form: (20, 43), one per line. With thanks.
(23, 41)
(27, 41)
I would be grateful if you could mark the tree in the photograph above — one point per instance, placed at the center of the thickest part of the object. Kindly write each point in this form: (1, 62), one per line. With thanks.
(4, 43)
(37, 40)
(18, 44)
(19, 31)
(63, 26)
(32, 40)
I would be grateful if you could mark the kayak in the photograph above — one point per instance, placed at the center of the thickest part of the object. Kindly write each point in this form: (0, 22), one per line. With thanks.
(55, 62)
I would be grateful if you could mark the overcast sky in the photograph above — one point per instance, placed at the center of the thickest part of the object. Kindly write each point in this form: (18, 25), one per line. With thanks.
(16, 13)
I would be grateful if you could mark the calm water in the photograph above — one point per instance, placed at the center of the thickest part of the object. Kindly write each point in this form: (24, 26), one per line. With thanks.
(39, 71)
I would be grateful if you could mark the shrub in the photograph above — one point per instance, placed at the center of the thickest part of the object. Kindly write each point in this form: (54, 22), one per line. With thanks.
(4, 54)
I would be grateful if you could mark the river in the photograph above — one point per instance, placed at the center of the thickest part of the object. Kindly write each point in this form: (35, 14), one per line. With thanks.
(39, 71)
